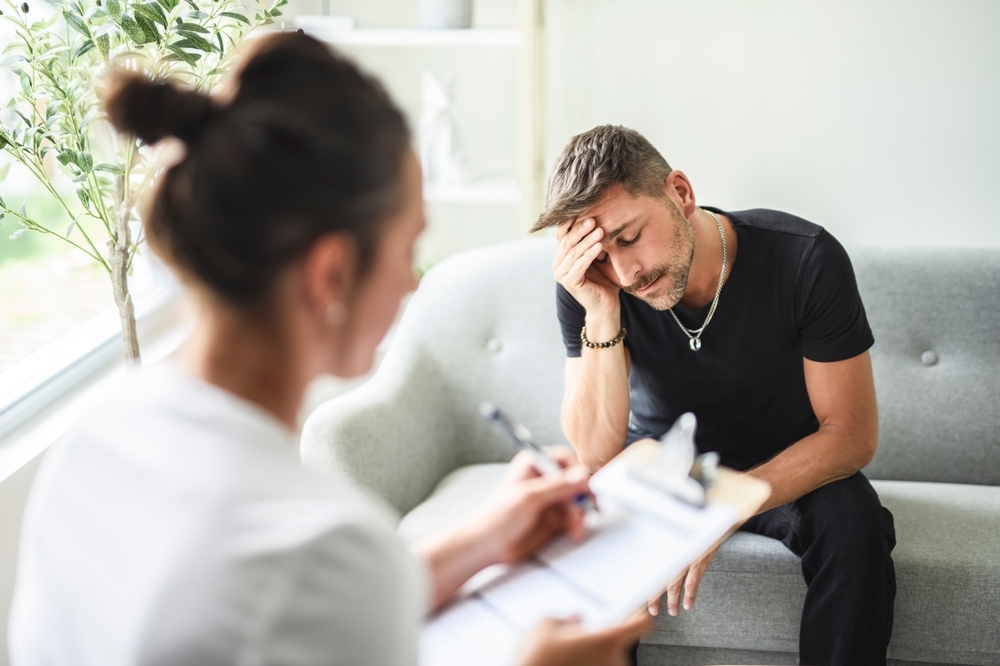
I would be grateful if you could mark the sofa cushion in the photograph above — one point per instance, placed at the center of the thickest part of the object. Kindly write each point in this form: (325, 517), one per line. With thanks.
(457, 499)
(947, 569)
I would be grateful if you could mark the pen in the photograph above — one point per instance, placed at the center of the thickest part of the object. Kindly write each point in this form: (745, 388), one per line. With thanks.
(522, 437)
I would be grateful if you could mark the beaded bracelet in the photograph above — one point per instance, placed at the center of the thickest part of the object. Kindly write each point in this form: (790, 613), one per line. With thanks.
(600, 345)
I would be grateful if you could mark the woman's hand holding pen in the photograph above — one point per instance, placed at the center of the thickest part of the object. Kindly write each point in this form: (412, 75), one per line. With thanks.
(529, 509)
(526, 512)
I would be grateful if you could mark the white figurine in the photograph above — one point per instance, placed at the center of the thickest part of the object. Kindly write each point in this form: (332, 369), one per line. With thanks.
(440, 155)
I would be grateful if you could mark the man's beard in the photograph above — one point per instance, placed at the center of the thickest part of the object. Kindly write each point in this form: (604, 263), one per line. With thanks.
(677, 268)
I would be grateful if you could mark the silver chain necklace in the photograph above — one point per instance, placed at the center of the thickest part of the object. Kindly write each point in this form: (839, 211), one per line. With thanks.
(694, 335)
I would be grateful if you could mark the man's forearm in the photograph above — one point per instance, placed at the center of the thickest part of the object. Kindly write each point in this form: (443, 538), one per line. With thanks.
(826, 456)
(596, 408)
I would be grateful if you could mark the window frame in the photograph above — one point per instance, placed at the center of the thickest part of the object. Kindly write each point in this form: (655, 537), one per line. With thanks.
(38, 381)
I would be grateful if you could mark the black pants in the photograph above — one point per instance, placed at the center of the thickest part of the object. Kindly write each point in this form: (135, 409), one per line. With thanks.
(844, 536)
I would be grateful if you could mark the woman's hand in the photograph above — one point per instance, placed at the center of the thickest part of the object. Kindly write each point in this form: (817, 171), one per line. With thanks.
(527, 510)
(563, 643)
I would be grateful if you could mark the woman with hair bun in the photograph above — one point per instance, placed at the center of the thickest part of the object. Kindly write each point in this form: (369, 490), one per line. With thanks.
(175, 524)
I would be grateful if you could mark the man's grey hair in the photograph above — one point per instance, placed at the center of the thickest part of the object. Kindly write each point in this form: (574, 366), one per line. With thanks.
(595, 160)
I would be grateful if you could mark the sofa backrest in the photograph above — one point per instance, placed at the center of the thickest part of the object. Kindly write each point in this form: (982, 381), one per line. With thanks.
(488, 319)
(935, 314)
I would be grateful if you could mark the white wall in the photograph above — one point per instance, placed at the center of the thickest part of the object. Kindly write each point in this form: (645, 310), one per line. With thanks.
(877, 119)
(874, 118)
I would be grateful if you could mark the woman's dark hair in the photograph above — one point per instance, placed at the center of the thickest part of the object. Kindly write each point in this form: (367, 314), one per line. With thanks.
(307, 145)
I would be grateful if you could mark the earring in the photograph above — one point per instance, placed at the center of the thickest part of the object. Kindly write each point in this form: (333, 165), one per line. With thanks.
(336, 313)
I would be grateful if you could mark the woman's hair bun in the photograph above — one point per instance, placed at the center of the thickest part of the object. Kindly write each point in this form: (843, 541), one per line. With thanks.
(152, 110)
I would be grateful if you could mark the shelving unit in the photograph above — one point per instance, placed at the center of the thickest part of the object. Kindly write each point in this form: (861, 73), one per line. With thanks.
(408, 38)
(521, 189)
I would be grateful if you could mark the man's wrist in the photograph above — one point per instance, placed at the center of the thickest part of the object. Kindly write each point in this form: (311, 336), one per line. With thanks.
(602, 327)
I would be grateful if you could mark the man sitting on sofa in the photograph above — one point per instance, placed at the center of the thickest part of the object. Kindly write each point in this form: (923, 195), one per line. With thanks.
(752, 320)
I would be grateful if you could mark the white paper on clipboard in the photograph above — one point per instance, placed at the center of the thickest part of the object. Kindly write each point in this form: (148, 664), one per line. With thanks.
(638, 542)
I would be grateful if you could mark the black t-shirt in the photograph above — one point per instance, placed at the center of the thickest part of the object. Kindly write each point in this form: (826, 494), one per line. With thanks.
(791, 294)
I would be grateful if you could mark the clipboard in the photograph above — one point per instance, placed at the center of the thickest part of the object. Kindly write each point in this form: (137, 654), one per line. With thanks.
(640, 540)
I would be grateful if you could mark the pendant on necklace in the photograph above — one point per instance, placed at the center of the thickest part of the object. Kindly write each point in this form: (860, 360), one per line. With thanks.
(695, 344)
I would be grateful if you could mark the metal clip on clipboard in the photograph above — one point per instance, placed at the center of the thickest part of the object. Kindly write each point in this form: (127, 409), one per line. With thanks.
(676, 468)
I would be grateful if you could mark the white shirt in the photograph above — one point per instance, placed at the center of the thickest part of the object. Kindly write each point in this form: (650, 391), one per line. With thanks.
(176, 525)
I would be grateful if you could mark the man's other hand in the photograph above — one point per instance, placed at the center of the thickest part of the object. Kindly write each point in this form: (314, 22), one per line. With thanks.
(686, 584)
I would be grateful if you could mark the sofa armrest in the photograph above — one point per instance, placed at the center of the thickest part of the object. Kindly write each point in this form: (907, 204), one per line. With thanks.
(395, 435)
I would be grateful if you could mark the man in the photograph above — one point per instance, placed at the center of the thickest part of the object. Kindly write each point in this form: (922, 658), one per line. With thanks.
(752, 320)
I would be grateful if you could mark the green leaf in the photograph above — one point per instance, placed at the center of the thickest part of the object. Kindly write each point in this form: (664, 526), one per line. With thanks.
(195, 42)
(4, 170)
(53, 52)
(86, 162)
(75, 22)
(22, 117)
(84, 197)
(238, 17)
(69, 229)
(132, 29)
(17, 234)
(104, 44)
(86, 47)
(11, 59)
(169, 5)
(275, 12)
(197, 15)
(189, 28)
(144, 12)
(148, 27)
(25, 87)
(161, 18)
(114, 9)
(110, 168)
(67, 157)
(189, 58)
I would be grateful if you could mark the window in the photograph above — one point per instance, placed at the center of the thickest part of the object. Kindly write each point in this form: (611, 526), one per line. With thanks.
(57, 312)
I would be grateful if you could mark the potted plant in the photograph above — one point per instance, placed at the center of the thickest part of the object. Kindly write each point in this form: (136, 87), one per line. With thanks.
(54, 125)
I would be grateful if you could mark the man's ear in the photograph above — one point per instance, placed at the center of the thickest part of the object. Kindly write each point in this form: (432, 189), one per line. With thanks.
(679, 189)
(329, 270)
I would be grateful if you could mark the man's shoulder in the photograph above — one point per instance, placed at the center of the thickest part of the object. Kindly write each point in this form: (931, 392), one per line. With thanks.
(775, 222)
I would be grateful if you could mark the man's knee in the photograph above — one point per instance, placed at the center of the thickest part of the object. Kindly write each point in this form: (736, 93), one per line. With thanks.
(847, 518)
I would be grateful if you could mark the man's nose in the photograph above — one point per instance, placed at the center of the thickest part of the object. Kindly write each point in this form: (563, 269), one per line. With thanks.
(627, 271)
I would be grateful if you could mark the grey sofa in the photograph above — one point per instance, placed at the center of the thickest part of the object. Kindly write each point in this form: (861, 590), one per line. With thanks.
(482, 325)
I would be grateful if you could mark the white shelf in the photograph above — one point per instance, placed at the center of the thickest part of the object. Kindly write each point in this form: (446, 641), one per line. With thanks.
(500, 190)
(315, 26)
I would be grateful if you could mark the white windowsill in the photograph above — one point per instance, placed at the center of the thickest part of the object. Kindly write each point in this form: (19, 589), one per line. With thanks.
(48, 392)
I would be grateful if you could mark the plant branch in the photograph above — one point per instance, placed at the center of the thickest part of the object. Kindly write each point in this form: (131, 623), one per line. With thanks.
(32, 225)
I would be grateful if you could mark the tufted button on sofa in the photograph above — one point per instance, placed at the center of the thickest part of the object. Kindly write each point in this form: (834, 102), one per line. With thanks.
(482, 326)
